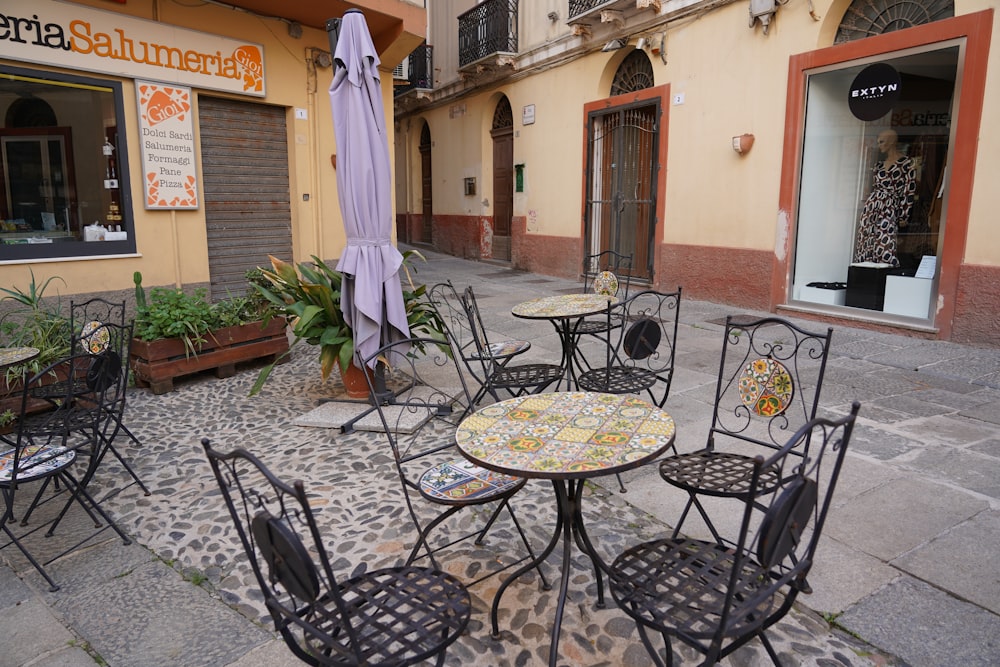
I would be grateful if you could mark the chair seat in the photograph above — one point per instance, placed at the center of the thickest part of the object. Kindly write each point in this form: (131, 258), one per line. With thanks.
(715, 473)
(503, 350)
(593, 326)
(400, 616)
(527, 375)
(679, 586)
(617, 380)
(460, 482)
(36, 461)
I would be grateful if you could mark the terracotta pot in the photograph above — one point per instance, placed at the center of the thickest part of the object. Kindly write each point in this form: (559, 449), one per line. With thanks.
(355, 382)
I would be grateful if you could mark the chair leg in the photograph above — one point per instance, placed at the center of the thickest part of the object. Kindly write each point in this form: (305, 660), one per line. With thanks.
(770, 649)
(654, 654)
(694, 502)
(546, 586)
(621, 483)
(34, 563)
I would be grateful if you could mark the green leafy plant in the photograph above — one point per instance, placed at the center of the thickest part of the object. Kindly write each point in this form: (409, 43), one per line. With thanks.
(308, 294)
(34, 324)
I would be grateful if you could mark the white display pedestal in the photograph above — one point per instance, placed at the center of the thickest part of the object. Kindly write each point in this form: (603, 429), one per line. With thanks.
(907, 296)
(833, 297)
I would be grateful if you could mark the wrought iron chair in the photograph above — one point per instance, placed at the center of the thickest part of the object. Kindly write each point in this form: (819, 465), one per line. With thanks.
(97, 325)
(420, 426)
(716, 599)
(515, 379)
(610, 273)
(391, 616)
(770, 376)
(451, 309)
(60, 417)
(642, 357)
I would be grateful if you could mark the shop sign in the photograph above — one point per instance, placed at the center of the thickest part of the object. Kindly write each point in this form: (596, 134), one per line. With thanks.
(873, 92)
(166, 129)
(78, 37)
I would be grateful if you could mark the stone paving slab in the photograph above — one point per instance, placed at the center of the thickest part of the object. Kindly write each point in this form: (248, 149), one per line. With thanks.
(925, 626)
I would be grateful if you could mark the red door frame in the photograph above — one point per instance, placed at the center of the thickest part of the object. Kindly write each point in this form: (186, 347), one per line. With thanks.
(976, 29)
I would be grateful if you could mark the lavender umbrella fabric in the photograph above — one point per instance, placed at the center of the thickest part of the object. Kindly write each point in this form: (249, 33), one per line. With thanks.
(371, 296)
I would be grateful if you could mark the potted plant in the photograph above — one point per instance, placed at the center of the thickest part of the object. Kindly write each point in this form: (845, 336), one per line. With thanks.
(308, 295)
(178, 333)
(35, 324)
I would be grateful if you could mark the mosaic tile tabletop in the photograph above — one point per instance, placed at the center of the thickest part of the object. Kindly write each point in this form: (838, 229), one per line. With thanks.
(563, 306)
(16, 355)
(566, 434)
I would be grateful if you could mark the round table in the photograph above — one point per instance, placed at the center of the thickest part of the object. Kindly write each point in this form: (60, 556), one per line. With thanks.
(565, 437)
(11, 356)
(564, 311)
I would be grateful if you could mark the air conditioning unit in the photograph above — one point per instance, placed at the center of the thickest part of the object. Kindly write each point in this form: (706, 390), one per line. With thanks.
(401, 72)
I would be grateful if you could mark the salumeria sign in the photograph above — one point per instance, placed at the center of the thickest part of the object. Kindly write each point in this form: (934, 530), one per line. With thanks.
(78, 37)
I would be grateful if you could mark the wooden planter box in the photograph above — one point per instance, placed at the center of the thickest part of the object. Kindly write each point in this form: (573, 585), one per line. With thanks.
(156, 363)
(11, 396)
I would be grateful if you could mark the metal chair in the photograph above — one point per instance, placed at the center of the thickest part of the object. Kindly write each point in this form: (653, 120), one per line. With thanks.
(451, 309)
(97, 325)
(60, 417)
(420, 426)
(642, 357)
(391, 616)
(515, 379)
(715, 598)
(610, 273)
(770, 376)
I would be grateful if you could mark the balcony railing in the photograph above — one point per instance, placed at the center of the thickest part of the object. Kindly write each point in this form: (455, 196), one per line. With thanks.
(577, 7)
(419, 70)
(489, 27)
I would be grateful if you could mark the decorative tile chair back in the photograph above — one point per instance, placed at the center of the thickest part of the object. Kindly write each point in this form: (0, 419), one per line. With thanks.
(716, 599)
(391, 616)
(420, 426)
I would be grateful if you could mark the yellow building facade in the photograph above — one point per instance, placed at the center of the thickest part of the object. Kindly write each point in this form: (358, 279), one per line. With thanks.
(728, 147)
(186, 141)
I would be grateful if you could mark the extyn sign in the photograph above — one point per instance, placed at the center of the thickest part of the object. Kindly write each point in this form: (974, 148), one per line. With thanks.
(82, 38)
(874, 91)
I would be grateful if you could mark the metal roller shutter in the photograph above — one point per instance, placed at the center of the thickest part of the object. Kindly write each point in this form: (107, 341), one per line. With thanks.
(244, 157)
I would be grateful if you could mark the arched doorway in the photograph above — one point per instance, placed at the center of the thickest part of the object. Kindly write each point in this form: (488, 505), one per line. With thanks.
(425, 235)
(502, 132)
(623, 142)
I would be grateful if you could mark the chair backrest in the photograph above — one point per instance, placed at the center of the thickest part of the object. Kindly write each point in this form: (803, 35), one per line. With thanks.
(770, 376)
(778, 552)
(447, 302)
(481, 339)
(647, 336)
(422, 419)
(275, 523)
(86, 318)
(607, 272)
(62, 409)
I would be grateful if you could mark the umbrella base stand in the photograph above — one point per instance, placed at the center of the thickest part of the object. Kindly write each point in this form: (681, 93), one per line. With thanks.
(382, 396)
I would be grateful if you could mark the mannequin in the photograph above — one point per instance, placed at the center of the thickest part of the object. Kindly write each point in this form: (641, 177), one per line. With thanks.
(887, 208)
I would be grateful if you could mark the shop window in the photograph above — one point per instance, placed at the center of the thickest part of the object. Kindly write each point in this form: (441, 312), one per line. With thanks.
(65, 190)
(873, 190)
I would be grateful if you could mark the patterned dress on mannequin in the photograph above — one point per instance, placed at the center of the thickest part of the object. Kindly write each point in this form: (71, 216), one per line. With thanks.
(887, 207)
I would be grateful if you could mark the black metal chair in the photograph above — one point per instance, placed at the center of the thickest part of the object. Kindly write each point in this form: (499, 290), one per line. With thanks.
(420, 426)
(451, 309)
(770, 377)
(515, 379)
(609, 273)
(392, 616)
(715, 598)
(97, 325)
(60, 417)
(641, 359)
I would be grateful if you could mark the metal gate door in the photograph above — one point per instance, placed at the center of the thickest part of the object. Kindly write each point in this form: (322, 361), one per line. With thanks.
(621, 188)
(244, 157)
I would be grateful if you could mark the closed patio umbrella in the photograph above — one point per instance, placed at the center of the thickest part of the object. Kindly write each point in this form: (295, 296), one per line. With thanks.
(371, 293)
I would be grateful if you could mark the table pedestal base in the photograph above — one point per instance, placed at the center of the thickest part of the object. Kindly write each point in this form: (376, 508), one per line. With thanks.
(569, 528)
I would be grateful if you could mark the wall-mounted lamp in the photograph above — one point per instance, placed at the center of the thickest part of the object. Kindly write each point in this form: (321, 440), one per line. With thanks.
(614, 45)
(470, 185)
(553, 16)
(743, 143)
(322, 58)
(294, 29)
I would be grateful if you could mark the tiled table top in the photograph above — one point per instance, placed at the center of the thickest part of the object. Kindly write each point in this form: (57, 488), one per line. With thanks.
(566, 434)
(16, 355)
(563, 306)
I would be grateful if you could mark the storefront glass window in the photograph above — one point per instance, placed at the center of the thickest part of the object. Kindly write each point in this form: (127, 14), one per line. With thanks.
(873, 188)
(65, 190)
